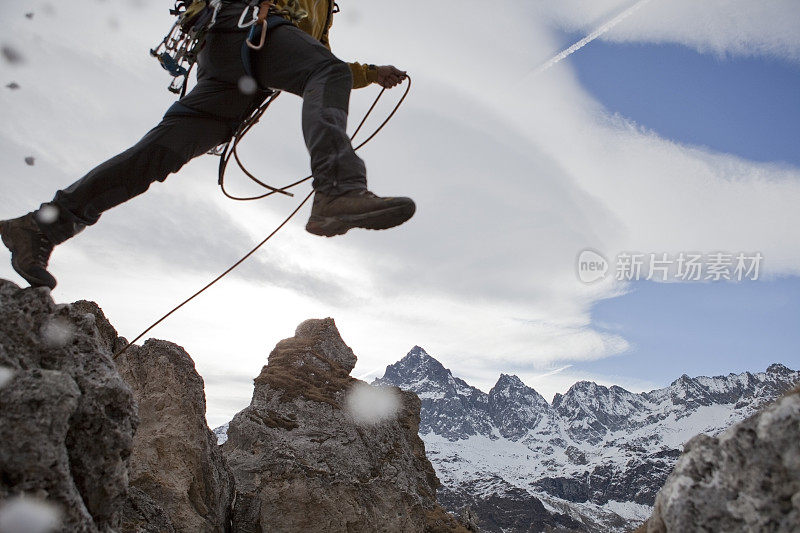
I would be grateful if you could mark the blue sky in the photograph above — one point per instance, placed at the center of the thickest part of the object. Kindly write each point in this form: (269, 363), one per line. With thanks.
(746, 106)
(701, 328)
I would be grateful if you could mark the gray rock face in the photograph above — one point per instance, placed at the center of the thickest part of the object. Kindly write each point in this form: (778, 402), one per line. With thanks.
(142, 514)
(747, 479)
(514, 407)
(66, 417)
(313, 452)
(301, 461)
(506, 508)
(592, 411)
(176, 464)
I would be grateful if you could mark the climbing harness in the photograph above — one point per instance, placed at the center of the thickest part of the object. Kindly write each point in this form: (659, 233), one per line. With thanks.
(177, 52)
(230, 150)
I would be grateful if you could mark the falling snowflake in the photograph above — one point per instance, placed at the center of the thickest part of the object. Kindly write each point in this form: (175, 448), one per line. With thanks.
(22, 514)
(47, 214)
(57, 332)
(6, 374)
(11, 54)
(247, 85)
(369, 405)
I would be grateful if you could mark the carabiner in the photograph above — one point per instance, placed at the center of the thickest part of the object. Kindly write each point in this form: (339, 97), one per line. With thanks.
(263, 13)
(263, 39)
(244, 13)
(216, 5)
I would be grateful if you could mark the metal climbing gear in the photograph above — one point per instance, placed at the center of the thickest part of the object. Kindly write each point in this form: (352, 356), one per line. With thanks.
(260, 20)
(177, 52)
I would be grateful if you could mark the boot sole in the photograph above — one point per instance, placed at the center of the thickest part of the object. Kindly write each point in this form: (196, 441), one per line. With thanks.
(374, 220)
(34, 281)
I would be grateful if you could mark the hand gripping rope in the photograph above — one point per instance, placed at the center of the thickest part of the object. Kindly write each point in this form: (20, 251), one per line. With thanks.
(230, 150)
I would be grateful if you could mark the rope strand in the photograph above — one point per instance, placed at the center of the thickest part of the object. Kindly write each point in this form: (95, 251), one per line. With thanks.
(249, 123)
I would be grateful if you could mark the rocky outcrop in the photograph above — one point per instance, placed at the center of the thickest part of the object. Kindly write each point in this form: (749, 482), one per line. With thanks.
(308, 457)
(746, 479)
(180, 480)
(507, 508)
(67, 419)
(316, 450)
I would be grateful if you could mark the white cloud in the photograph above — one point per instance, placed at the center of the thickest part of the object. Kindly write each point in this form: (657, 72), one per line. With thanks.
(738, 27)
(511, 179)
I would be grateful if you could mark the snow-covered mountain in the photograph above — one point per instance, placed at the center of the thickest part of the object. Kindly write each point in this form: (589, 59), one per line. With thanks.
(592, 460)
(221, 433)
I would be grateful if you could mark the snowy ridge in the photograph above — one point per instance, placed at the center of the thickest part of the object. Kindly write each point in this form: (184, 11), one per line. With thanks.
(222, 434)
(593, 460)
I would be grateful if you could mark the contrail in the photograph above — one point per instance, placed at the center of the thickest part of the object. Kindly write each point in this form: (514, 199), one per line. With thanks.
(554, 372)
(589, 38)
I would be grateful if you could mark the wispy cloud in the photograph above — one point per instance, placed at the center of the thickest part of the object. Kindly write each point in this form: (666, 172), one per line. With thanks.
(723, 27)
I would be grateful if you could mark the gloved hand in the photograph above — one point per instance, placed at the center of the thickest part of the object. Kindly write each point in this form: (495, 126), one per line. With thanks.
(389, 76)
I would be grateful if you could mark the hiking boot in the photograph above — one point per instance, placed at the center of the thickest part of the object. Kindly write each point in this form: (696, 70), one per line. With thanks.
(336, 214)
(30, 250)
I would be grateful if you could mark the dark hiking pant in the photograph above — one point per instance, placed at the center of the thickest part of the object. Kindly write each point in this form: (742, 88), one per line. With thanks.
(208, 115)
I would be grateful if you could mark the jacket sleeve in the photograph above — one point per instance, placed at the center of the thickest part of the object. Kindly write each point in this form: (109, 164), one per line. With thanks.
(363, 75)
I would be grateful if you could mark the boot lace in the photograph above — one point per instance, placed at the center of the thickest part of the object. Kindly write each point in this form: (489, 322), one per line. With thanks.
(43, 254)
(42, 249)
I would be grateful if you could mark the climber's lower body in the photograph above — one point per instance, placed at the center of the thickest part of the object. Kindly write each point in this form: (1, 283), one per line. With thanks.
(291, 61)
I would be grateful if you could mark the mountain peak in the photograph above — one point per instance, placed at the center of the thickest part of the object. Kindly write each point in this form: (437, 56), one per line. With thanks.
(461, 406)
(415, 368)
(418, 358)
(510, 380)
(777, 368)
(584, 386)
(512, 384)
(418, 351)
